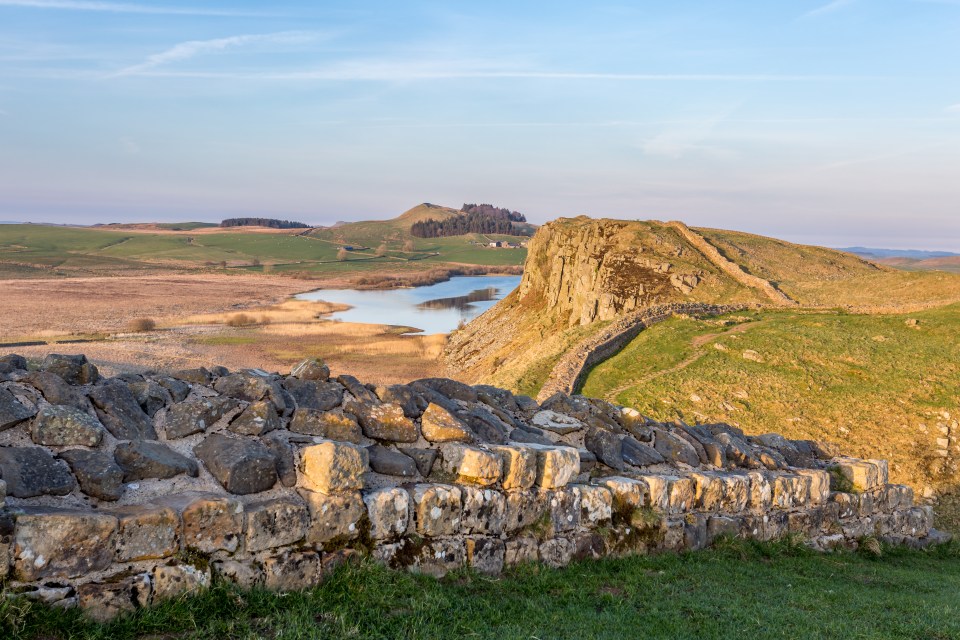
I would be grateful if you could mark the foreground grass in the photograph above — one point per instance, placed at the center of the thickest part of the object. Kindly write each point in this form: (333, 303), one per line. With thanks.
(739, 590)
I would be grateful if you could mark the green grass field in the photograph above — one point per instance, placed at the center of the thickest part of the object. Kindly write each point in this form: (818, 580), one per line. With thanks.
(737, 590)
(871, 383)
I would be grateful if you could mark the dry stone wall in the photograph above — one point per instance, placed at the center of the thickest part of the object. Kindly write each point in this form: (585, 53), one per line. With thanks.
(122, 492)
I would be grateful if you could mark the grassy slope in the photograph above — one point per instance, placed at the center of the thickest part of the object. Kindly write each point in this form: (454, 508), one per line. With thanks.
(738, 590)
(868, 382)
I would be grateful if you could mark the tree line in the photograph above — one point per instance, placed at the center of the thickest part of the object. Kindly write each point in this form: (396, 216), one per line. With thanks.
(497, 212)
(475, 218)
(273, 223)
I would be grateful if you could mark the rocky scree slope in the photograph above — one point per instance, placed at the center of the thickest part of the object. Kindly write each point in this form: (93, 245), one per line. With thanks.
(122, 492)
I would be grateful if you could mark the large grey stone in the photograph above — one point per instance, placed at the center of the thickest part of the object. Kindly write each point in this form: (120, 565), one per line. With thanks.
(52, 543)
(311, 369)
(151, 395)
(279, 445)
(391, 462)
(98, 474)
(383, 421)
(333, 425)
(16, 362)
(243, 386)
(73, 369)
(60, 425)
(358, 390)
(404, 396)
(55, 389)
(606, 446)
(12, 412)
(424, 458)
(486, 427)
(450, 388)
(241, 465)
(144, 459)
(312, 394)
(32, 471)
(439, 425)
(257, 419)
(178, 389)
(195, 416)
(638, 454)
(120, 412)
(674, 447)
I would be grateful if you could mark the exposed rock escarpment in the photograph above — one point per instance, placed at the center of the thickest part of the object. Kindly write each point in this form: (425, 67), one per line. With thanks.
(432, 476)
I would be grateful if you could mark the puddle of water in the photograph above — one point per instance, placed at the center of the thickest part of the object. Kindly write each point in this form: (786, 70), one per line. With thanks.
(437, 308)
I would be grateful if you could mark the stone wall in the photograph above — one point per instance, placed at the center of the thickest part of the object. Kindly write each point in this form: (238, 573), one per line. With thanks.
(123, 492)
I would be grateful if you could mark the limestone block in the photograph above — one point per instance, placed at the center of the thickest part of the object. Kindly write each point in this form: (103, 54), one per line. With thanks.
(74, 369)
(847, 504)
(51, 543)
(627, 495)
(32, 471)
(722, 526)
(275, 523)
(736, 492)
(59, 426)
(330, 561)
(819, 484)
(596, 505)
(437, 509)
(439, 425)
(440, 556)
(679, 494)
(241, 465)
(657, 490)
(291, 570)
(525, 508)
(556, 422)
(209, 522)
(471, 465)
(333, 425)
(142, 459)
(556, 466)
(383, 421)
(389, 512)
(564, 510)
(389, 461)
(333, 466)
(696, 532)
(519, 550)
(333, 516)
(195, 415)
(519, 466)
(171, 581)
(708, 491)
(99, 476)
(760, 497)
(311, 369)
(104, 601)
(12, 411)
(486, 555)
(257, 419)
(784, 490)
(146, 532)
(243, 574)
(484, 511)
(557, 552)
(862, 475)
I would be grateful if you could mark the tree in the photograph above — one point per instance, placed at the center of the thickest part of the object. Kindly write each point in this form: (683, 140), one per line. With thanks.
(343, 254)
(382, 250)
(408, 246)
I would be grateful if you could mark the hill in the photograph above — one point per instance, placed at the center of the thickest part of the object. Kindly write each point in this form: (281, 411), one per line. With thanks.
(911, 260)
(37, 250)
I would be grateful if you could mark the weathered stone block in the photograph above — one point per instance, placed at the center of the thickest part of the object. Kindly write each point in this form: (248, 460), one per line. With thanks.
(243, 574)
(99, 476)
(525, 508)
(486, 555)
(760, 497)
(596, 505)
(440, 556)
(389, 512)
(423, 458)
(243, 386)
(519, 550)
(556, 466)
(519, 465)
(330, 561)
(484, 511)
(437, 509)
(146, 532)
(32, 471)
(241, 465)
(627, 495)
(439, 425)
(74, 369)
(59, 543)
(143, 459)
(383, 421)
(389, 461)
(171, 581)
(657, 489)
(564, 510)
(557, 552)
(333, 424)
(471, 465)
(12, 411)
(60, 426)
(275, 523)
(291, 570)
(708, 489)
(311, 369)
(257, 419)
(195, 416)
(333, 466)
(333, 517)
(861, 475)
(722, 526)
(120, 412)
(736, 492)
(311, 394)
(679, 494)
(104, 601)
(819, 484)
(556, 422)
(209, 522)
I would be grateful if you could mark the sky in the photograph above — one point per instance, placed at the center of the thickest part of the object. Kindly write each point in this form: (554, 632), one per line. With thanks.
(834, 123)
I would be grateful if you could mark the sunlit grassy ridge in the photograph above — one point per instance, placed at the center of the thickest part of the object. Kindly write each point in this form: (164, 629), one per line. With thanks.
(872, 383)
(738, 590)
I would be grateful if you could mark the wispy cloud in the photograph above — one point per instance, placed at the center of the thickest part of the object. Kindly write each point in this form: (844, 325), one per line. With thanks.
(954, 108)
(686, 138)
(122, 7)
(830, 7)
(193, 48)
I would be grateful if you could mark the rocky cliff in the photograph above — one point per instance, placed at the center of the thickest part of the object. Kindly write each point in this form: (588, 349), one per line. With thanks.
(122, 492)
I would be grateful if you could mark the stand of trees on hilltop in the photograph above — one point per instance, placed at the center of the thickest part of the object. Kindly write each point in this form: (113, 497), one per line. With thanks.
(490, 210)
(476, 218)
(273, 223)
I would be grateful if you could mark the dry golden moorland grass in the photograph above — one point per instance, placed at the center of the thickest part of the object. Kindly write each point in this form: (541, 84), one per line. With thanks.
(236, 321)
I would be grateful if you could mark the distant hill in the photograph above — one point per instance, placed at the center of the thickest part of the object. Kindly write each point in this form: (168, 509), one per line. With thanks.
(913, 254)
(271, 223)
(911, 260)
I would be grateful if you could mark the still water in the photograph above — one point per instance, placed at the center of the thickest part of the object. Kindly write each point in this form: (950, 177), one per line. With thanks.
(437, 308)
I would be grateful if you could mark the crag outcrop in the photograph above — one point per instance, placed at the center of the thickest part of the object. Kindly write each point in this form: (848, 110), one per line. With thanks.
(126, 491)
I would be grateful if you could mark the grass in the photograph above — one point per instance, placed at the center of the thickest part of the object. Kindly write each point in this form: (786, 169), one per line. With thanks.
(738, 590)
(871, 383)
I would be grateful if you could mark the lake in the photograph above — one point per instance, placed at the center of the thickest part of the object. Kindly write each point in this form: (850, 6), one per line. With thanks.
(436, 308)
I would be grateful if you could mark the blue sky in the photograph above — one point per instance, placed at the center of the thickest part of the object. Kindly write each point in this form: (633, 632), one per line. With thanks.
(834, 123)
